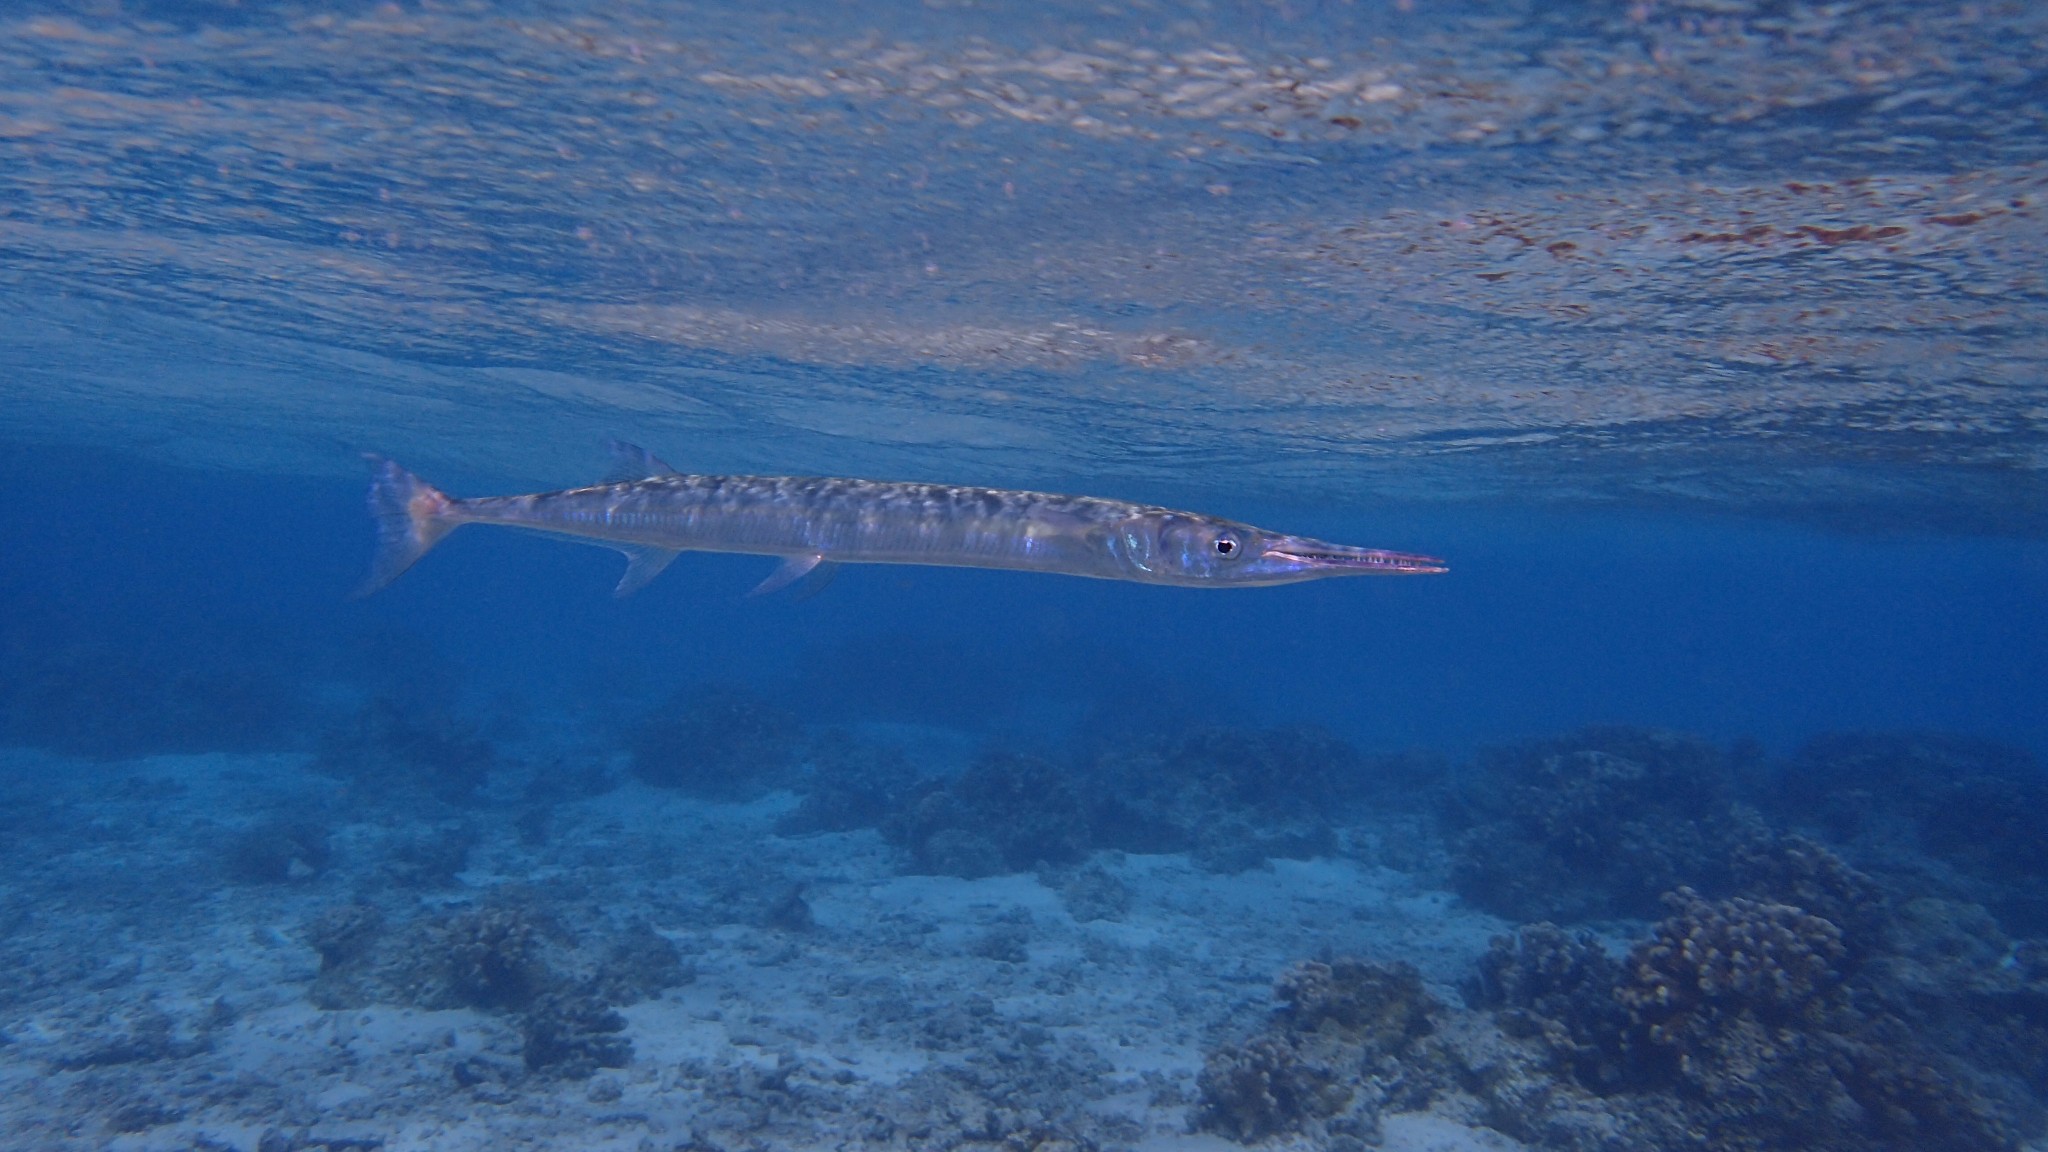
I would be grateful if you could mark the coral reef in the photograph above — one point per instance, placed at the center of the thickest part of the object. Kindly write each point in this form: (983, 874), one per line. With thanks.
(848, 784)
(507, 959)
(1795, 870)
(432, 859)
(1557, 988)
(1006, 813)
(390, 746)
(638, 964)
(1802, 1003)
(1595, 824)
(1341, 1046)
(1007, 941)
(1091, 893)
(1297, 770)
(1231, 797)
(573, 1034)
(277, 851)
(1964, 987)
(1264, 1087)
(1735, 1026)
(1711, 961)
(1977, 808)
(488, 958)
(1806, 1004)
(133, 1033)
(721, 743)
(146, 695)
(789, 912)
(1545, 969)
(1379, 1008)
(343, 935)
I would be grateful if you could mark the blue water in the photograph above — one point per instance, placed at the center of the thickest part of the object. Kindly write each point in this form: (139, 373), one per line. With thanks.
(1704, 340)
(1551, 620)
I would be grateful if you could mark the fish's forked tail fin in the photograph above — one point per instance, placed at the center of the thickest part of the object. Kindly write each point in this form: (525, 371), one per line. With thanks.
(411, 516)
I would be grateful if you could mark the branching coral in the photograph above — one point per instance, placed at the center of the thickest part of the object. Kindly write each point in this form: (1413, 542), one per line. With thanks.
(573, 1035)
(1559, 988)
(1795, 870)
(1545, 968)
(492, 958)
(1378, 1008)
(1735, 1017)
(1330, 1058)
(1263, 1088)
(1715, 958)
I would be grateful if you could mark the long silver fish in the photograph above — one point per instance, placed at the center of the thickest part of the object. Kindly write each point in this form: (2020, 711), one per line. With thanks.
(651, 513)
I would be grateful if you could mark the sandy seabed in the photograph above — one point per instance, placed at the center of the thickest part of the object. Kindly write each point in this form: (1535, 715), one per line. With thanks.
(155, 999)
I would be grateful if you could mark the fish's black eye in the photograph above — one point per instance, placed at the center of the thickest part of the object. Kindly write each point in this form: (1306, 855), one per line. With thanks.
(1225, 546)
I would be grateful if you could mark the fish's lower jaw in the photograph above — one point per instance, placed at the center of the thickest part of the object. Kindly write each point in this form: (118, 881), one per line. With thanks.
(1311, 564)
(1402, 564)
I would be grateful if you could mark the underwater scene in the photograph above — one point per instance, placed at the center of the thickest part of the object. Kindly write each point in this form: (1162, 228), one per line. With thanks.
(1091, 575)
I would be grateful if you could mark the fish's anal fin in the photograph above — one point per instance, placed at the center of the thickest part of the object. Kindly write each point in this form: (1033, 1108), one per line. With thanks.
(642, 565)
(631, 462)
(792, 570)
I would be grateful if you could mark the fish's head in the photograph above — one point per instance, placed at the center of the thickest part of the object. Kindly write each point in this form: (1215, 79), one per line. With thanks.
(1186, 549)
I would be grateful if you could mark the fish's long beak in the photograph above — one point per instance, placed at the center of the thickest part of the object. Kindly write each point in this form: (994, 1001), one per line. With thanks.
(1314, 555)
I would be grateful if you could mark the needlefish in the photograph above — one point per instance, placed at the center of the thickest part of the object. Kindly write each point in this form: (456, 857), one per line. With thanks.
(652, 513)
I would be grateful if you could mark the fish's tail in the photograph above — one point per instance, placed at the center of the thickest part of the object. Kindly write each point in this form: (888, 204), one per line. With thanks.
(411, 516)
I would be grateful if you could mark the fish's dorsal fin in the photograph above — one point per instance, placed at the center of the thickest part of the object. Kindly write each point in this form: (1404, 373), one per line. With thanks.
(795, 568)
(642, 564)
(631, 462)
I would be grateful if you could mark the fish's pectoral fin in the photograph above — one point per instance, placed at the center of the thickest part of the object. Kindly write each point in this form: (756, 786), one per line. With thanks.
(792, 570)
(642, 565)
(815, 581)
(631, 462)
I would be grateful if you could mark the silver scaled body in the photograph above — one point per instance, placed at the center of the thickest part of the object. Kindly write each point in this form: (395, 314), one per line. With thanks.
(812, 523)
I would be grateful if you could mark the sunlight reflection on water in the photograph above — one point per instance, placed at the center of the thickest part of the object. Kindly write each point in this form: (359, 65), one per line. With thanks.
(1759, 257)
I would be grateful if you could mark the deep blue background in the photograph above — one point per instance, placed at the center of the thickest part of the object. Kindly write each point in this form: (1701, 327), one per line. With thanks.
(1547, 621)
